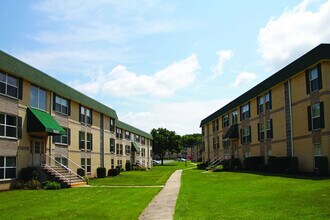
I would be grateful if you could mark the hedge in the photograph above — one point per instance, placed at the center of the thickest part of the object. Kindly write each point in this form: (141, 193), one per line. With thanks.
(101, 172)
(283, 164)
(254, 163)
(321, 165)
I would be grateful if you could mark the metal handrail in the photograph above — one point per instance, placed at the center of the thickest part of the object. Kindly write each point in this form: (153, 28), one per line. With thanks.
(49, 167)
(67, 168)
(73, 162)
(141, 163)
(215, 162)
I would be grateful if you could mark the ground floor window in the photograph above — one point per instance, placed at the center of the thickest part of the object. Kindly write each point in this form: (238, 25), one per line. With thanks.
(7, 167)
(127, 149)
(62, 160)
(120, 163)
(86, 164)
(317, 153)
(112, 164)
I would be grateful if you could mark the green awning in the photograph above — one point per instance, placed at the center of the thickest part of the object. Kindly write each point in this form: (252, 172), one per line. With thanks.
(232, 133)
(135, 147)
(42, 122)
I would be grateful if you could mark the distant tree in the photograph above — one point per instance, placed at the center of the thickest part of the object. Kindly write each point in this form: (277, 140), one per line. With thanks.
(163, 141)
(189, 140)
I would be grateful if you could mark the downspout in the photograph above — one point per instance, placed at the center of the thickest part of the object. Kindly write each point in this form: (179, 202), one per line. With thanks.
(50, 111)
(290, 111)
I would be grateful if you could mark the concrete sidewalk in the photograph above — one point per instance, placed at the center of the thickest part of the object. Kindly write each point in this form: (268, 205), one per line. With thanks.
(163, 204)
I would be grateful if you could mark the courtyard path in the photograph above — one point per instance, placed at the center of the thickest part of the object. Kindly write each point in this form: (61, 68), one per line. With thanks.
(163, 204)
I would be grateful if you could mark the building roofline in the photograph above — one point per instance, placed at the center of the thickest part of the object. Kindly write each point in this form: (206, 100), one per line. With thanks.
(14, 66)
(315, 55)
(130, 128)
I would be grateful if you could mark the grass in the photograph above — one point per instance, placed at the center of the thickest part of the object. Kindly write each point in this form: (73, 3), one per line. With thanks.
(225, 195)
(89, 203)
(158, 175)
(76, 203)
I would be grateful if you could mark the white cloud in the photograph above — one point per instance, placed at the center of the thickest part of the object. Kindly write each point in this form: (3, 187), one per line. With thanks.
(182, 117)
(244, 78)
(123, 83)
(223, 57)
(293, 33)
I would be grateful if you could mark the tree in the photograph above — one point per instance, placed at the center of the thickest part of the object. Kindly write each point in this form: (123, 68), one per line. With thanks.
(163, 141)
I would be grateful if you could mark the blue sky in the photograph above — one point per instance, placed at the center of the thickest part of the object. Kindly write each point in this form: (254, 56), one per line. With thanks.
(162, 63)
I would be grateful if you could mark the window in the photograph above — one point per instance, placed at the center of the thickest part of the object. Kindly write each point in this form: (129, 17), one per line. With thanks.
(8, 85)
(218, 143)
(234, 117)
(132, 137)
(112, 145)
(63, 139)
(225, 121)
(226, 143)
(127, 135)
(118, 133)
(314, 79)
(137, 138)
(127, 149)
(215, 124)
(247, 154)
(86, 166)
(117, 149)
(316, 116)
(261, 131)
(203, 131)
(246, 135)
(8, 126)
(317, 154)
(112, 124)
(121, 149)
(85, 115)
(119, 163)
(112, 163)
(245, 111)
(268, 101)
(269, 128)
(260, 108)
(61, 105)
(143, 152)
(89, 142)
(81, 140)
(143, 141)
(62, 160)
(38, 98)
(214, 143)
(7, 167)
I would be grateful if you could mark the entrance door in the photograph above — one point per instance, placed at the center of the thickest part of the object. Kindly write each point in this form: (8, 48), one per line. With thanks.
(37, 152)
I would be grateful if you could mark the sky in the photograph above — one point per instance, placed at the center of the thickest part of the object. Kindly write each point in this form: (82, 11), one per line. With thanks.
(162, 63)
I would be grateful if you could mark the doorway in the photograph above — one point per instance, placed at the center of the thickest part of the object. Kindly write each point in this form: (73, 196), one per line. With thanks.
(37, 152)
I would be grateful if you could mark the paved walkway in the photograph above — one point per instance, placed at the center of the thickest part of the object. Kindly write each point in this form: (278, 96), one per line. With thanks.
(163, 204)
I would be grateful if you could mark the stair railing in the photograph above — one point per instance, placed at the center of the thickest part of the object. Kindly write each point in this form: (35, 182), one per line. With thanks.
(72, 173)
(77, 165)
(215, 162)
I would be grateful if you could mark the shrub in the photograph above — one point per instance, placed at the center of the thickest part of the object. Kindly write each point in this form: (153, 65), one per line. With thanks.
(28, 173)
(283, 164)
(127, 166)
(321, 164)
(101, 172)
(30, 184)
(118, 168)
(202, 166)
(50, 185)
(80, 172)
(254, 163)
(112, 172)
(86, 179)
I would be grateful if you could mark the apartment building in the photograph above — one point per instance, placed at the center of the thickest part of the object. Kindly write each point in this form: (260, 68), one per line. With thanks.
(45, 122)
(286, 115)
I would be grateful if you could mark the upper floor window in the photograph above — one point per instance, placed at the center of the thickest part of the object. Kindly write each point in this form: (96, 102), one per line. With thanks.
(137, 138)
(203, 131)
(245, 111)
(260, 108)
(38, 98)
(61, 105)
(8, 85)
(7, 167)
(132, 137)
(314, 79)
(63, 139)
(234, 117)
(85, 115)
(112, 124)
(89, 141)
(127, 149)
(127, 135)
(268, 101)
(81, 140)
(143, 141)
(261, 131)
(9, 126)
(225, 121)
(316, 116)
(215, 124)
(112, 145)
(118, 133)
(269, 128)
(246, 135)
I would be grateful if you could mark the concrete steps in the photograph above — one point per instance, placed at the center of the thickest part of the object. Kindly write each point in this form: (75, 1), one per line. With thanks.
(64, 176)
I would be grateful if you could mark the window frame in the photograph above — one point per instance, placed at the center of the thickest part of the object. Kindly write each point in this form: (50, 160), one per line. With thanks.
(89, 141)
(7, 84)
(60, 141)
(234, 117)
(261, 130)
(225, 121)
(245, 111)
(5, 126)
(58, 107)
(246, 135)
(82, 140)
(127, 150)
(314, 118)
(112, 145)
(39, 90)
(261, 102)
(269, 129)
(4, 168)
(312, 80)
(268, 101)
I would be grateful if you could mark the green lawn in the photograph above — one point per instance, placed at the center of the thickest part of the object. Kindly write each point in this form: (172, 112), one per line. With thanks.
(225, 195)
(89, 203)
(158, 175)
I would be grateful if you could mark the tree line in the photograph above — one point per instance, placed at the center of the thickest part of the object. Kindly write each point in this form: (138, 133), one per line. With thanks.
(168, 141)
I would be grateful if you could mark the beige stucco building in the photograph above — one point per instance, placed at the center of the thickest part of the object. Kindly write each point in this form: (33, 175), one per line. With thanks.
(45, 122)
(286, 115)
